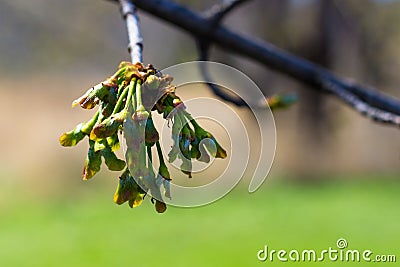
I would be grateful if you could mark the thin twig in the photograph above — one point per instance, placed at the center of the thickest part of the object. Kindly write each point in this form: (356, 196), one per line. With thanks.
(135, 46)
(267, 54)
(218, 11)
(203, 56)
(216, 14)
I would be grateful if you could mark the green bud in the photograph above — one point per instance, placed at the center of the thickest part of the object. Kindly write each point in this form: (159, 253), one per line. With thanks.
(113, 142)
(151, 134)
(136, 201)
(221, 153)
(163, 171)
(176, 126)
(187, 136)
(105, 129)
(215, 149)
(91, 98)
(175, 134)
(124, 64)
(161, 207)
(81, 99)
(141, 114)
(99, 145)
(133, 70)
(92, 163)
(113, 163)
(110, 103)
(173, 153)
(195, 152)
(109, 126)
(198, 151)
(177, 102)
(126, 190)
(202, 134)
(88, 126)
(281, 101)
(73, 137)
(167, 111)
(152, 82)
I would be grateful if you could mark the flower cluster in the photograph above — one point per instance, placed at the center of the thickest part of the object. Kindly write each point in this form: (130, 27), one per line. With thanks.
(125, 103)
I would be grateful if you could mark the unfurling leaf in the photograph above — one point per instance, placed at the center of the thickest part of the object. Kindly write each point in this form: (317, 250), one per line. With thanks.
(73, 137)
(127, 189)
(113, 163)
(92, 163)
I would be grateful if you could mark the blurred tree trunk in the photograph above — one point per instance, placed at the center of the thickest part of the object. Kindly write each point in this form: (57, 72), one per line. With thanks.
(320, 50)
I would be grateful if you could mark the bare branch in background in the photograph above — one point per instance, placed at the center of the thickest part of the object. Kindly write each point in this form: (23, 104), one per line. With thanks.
(360, 106)
(203, 49)
(371, 102)
(216, 14)
(135, 46)
(218, 11)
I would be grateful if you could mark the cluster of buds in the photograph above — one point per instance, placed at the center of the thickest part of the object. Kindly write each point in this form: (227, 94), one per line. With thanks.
(125, 103)
(190, 140)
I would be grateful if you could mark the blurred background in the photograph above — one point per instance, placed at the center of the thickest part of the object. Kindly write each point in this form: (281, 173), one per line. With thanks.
(336, 174)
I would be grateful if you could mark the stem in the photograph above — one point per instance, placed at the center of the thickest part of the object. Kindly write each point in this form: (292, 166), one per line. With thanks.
(115, 76)
(135, 46)
(89, 125)
(139, 97)
(149, 154)
(150, 160)
(120, 100)
(160, 154)
(192, 121)
(121, 88)
(129, 98)
(142, 160)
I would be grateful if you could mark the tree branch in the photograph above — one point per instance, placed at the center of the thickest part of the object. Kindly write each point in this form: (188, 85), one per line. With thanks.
(203, 49)
(135, 46)
(218, 11)
(360, 106)
(216, 14)
(380, 106)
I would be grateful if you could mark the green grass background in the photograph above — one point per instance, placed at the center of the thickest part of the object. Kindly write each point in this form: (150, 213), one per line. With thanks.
(83, 227)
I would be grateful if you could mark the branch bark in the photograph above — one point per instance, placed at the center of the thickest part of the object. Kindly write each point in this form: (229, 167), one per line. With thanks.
(374, 102)
(216, 14)
(218, 11)
(135, 45)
